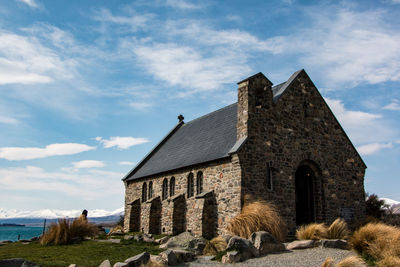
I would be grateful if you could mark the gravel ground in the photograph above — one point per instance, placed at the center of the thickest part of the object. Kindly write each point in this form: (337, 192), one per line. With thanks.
(299, 258)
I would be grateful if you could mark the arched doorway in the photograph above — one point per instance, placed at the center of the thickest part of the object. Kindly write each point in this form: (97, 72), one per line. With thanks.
(134, 220)
(179, 215)
(155, 217)
(305, 198)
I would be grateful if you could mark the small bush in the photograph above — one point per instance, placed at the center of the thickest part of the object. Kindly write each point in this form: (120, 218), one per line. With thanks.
(313, 231)
(338, 230)
(66, 232)
(258, 216)
(375, 207)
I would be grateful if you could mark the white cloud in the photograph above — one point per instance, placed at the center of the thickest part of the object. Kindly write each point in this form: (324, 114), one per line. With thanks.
(140, 106)
(133, 20)
(8, 120)
(88, 164)
(122, 142)
(395, 105)
(347, 47)
(127, 163)
(358, 123)
(26, 153)
(30, 3)
(182, 4)
(88, 185)
(370, 149)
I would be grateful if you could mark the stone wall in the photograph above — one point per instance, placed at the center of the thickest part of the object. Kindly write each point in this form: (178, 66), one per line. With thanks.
(221, 179)
(298, 130)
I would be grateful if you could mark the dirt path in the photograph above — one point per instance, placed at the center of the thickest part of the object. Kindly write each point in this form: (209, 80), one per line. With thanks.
(300, 258)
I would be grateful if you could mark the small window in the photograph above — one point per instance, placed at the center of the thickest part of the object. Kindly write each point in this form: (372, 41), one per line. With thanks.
(165, 189)
(151, 190)
(144, 192)
(190, 185)
(269, 178)
(172, 186)
(199, 183)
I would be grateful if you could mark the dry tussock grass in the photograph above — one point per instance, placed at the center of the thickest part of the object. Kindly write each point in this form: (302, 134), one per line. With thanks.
(351, 261)
(380, 241)
(152, 263)
(338, 230)
(258, 216)
(214, 246)
(65, 232)
(313, 231)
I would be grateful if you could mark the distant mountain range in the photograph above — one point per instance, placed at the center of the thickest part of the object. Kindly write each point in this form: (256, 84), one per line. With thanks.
(394, 205)
(36, 218)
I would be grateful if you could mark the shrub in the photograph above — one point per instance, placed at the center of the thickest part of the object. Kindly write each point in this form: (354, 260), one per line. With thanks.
(214, 246)
(313, 231)
(258, 216)
(390, 261)
(374, 207)
(338, 230)
(66, 232)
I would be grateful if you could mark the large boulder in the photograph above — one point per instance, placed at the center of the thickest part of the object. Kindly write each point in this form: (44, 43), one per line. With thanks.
(183, 255)
(144, 238)
(138, 260)
(265, 243)
(231, 257)
(245, 248)
(301, 244)
(17, 262)
(162, 240)
(157, 260)
(186, 241)
(121, 264)
(170, 257)
(105, 263)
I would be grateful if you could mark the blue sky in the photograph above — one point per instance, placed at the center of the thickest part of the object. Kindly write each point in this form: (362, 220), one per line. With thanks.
(89, 87)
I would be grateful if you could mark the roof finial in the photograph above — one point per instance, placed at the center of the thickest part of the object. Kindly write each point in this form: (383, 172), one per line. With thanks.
(180, 118)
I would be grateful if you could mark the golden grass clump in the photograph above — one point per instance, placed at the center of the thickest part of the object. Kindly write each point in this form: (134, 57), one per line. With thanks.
(338, 230)
(352, 261)
(390, 261)
(258, 216)
(313, 231)
(214, 246)
(66, 232)
(328, 262)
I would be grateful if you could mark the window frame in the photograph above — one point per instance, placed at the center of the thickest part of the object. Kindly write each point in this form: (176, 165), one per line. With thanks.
(199, 183)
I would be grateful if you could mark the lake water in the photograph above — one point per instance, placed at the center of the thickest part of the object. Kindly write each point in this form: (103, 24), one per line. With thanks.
(11, 232)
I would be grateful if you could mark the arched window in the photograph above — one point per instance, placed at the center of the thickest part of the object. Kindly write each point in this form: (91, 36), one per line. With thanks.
(190, 185)
(172, 186)
(165, 189)
(199, 183)
(269, 178)
(151, 189)
(144, 192)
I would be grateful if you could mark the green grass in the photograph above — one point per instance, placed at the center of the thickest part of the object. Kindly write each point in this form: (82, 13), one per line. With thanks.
(87, 253)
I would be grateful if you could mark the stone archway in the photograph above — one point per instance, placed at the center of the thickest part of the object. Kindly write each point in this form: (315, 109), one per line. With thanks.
(134, 219)
(179, 215)
(155, 216)
(305, 206)
(209, 218)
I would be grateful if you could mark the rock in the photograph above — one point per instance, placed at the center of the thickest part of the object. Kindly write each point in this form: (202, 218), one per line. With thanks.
(73, 265)
(183, 255)
(334, 243)
(128, 237)
(158, 261)
(227, 238)
(138, 238)
(300, 244)
(186, 241)
(162, 240)
(105, 263)
(17, 262)
(170, 257)
(36, 238)
(231, 257)
(265, 243)
(114, 241)
(144, 238)
(121, 264)
(138, 260)
(245, 248)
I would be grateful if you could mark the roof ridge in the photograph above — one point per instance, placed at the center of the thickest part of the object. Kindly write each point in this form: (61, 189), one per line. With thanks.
(208, 114)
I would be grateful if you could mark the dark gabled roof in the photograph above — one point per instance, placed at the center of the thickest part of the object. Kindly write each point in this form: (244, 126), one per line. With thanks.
(204, 139)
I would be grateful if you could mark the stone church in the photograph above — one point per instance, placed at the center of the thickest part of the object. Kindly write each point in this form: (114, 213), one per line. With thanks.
(280, 144)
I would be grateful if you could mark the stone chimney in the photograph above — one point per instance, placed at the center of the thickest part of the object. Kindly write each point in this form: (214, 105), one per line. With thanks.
(254, 95)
